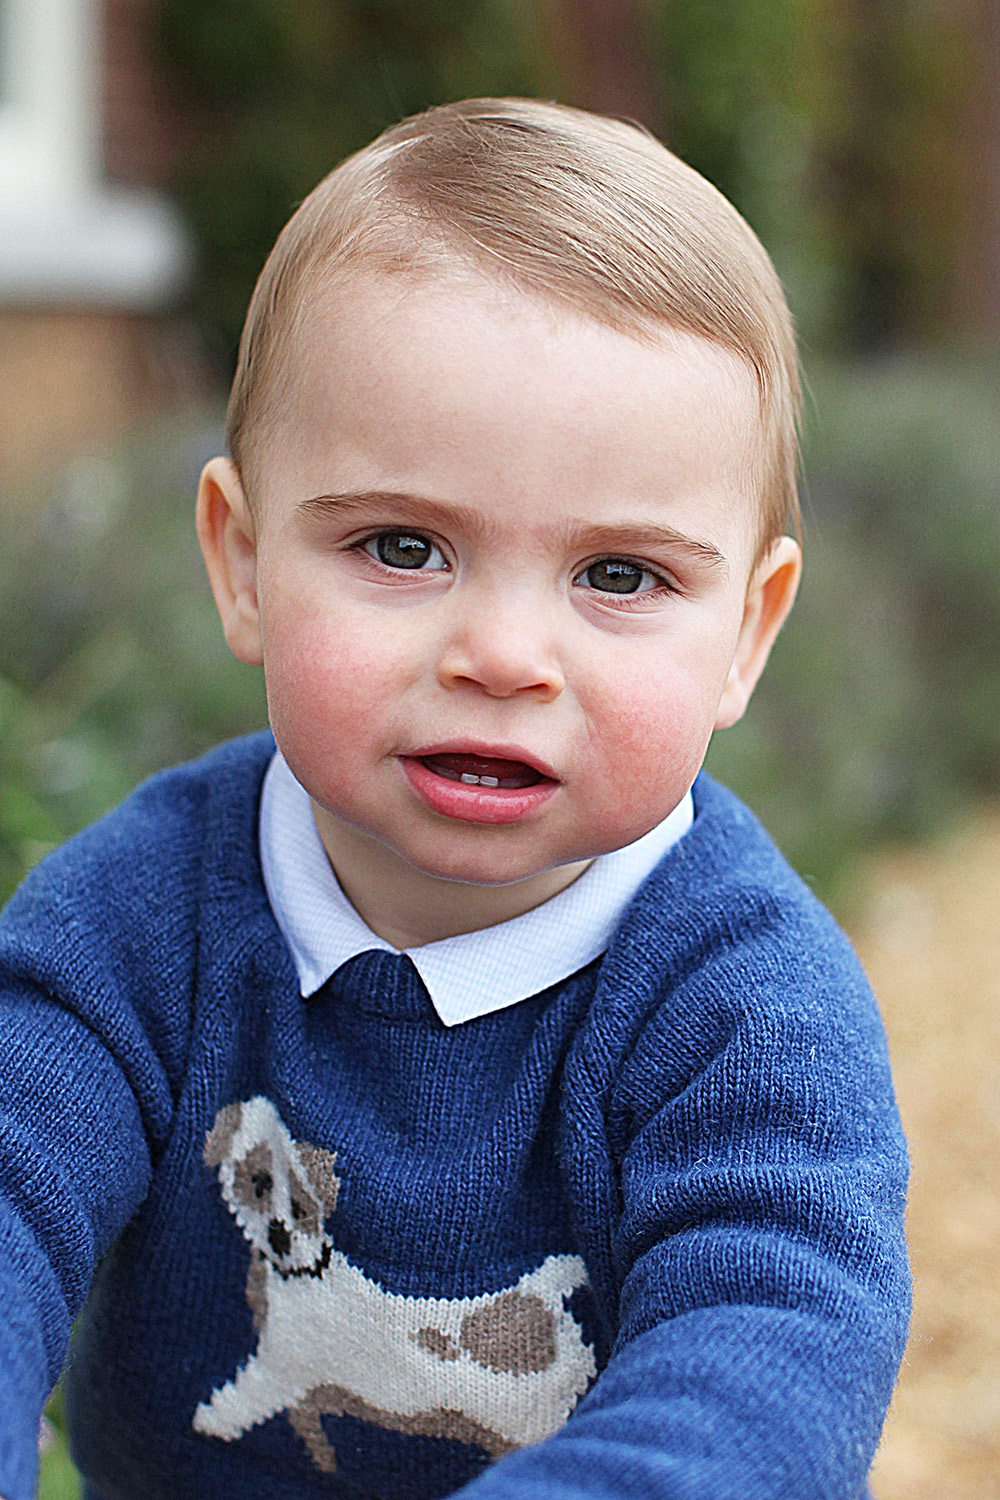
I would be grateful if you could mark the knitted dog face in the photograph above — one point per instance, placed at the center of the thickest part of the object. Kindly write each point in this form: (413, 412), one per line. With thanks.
(279, 1191)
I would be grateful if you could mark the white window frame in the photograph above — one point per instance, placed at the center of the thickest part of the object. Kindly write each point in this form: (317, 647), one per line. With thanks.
(49, 108)
(66, 236)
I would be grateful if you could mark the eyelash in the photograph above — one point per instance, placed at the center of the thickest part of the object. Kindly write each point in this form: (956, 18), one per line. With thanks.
(664, 585)
(367, 544)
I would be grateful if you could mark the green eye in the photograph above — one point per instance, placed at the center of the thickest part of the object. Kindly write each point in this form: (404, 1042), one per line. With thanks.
(613, 575)
(397, 549)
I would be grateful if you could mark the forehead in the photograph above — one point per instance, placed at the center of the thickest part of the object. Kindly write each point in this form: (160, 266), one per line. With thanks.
(473, 382)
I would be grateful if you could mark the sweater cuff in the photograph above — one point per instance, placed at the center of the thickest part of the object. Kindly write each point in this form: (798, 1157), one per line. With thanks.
(24, 1397)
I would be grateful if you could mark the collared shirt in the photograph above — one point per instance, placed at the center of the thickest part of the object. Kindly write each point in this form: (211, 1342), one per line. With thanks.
(471, 974)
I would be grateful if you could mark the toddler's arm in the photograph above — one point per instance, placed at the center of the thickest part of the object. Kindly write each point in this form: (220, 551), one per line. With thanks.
(81, 1094)
(760, 1252)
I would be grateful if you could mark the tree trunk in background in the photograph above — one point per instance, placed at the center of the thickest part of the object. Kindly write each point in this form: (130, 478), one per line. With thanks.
(864, 181)
(912, 172)
(601, 49)
(979, 292)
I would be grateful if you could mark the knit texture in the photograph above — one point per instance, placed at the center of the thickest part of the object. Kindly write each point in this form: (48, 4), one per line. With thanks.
(639, 1235)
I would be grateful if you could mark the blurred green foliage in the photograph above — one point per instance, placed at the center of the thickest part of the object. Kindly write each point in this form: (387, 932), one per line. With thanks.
(289, 87)
(879, 714)
(59, 1479)
(837, 130)
(112, 662)
(733, 85)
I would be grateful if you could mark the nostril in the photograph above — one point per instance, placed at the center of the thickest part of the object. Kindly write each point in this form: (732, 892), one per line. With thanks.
(278, 1237)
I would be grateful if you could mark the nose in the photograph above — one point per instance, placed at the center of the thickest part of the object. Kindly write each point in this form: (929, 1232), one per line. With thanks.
(503, 647)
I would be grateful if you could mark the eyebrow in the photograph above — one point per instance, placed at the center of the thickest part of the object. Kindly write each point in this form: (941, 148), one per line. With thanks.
(628, 535)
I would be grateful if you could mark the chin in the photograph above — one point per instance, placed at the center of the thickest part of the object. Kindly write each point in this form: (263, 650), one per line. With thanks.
(479, 866)
(479, 872)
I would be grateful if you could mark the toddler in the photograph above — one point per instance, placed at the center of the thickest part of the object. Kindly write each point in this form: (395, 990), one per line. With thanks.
(457, 1090)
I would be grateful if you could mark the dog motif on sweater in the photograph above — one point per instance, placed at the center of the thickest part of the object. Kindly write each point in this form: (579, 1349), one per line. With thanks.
(498, 1371)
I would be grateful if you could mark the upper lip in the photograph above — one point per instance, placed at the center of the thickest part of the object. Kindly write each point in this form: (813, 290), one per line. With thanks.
(487, 752)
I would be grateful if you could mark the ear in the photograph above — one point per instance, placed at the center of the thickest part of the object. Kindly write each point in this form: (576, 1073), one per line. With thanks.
(770, 595)
(319, 1169)
(220, 1137)
(228, 540)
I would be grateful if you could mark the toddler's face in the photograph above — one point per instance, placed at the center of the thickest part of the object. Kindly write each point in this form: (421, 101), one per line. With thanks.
(501, 568)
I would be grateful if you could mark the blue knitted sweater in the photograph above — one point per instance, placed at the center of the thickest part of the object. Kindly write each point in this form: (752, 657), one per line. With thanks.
(332, 1248)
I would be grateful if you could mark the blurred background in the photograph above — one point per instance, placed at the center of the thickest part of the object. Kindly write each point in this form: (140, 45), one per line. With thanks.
(149, 152)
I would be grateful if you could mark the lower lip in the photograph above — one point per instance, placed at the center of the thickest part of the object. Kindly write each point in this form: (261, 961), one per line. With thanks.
(476, 803)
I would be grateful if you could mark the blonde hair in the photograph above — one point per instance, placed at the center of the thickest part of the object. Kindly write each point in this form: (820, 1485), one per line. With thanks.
(588, 211)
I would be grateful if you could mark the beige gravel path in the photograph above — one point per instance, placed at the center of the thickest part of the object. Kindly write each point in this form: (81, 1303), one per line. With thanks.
(929, 937)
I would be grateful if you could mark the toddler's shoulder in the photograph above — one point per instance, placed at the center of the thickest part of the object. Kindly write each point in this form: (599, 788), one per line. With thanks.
(726, 895)
(113, 936)
(729, 982)
(726, 965)
(724, 947)
(134, 878)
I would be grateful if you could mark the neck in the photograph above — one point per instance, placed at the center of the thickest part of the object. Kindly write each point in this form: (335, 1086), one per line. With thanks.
(408, 908)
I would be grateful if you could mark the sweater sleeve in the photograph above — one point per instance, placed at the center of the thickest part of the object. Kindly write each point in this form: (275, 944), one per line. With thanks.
(84, 1098)
(74, 1165)
(764, 1287)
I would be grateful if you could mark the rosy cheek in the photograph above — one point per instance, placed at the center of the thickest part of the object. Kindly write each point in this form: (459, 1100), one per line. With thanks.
(322, 678)
(649, 746)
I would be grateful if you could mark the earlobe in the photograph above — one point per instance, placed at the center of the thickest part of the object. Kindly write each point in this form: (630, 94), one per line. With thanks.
(770, 595)
(228, 541)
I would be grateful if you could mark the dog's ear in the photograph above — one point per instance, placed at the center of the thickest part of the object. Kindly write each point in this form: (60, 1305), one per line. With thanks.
(319, 1169)
(220, 1137)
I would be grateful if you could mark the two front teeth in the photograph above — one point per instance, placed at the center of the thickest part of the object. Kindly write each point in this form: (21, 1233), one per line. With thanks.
(471, 780)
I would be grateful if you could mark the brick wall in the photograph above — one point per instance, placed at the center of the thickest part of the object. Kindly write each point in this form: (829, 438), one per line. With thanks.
(73, 381)
(146, 126)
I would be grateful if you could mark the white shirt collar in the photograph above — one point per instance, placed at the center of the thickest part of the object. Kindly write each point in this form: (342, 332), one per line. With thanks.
(466, 976)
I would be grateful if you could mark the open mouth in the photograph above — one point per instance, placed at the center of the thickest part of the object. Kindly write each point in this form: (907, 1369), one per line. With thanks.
(478, 788)
(481, 770)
